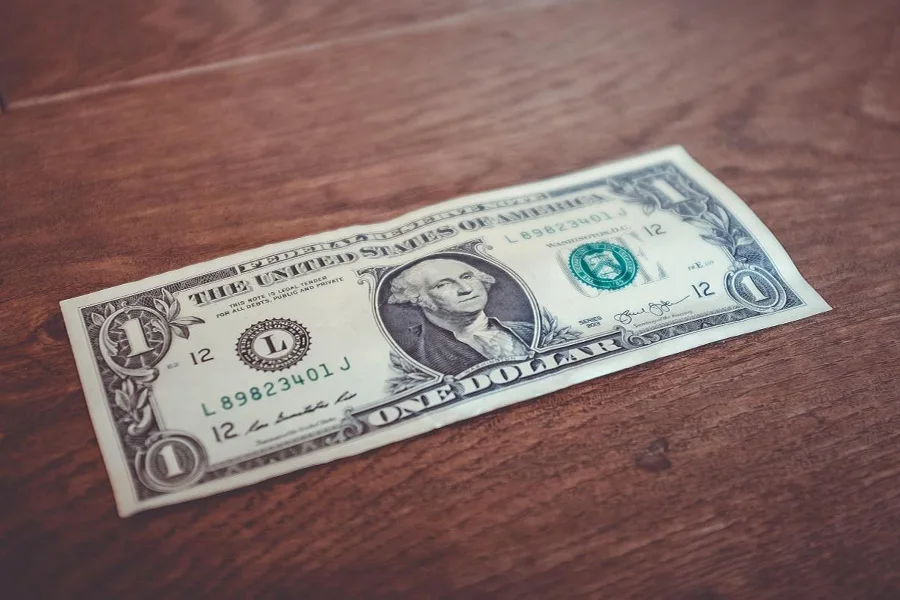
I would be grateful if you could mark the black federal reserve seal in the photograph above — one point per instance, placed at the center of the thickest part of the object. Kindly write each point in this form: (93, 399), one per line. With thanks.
(273, 344)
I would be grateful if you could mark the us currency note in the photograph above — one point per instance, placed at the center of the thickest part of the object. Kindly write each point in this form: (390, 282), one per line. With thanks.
(229, 372)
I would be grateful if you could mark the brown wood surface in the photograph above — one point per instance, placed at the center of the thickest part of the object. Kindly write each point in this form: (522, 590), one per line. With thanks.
(767, 466)
(52, 47)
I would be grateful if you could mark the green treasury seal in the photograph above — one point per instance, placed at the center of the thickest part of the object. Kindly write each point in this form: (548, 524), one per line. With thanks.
(603, 266)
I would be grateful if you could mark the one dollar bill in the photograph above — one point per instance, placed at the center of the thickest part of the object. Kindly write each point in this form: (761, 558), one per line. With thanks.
(232, 371)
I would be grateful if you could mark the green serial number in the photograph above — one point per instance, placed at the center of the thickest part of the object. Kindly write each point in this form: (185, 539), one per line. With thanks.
(273, 388)
(561, 226)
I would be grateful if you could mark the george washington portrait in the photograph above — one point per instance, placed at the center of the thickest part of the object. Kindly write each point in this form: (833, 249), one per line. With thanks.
(451, 312)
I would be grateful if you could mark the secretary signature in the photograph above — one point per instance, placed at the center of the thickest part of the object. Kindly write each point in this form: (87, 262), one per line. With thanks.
(657, 309)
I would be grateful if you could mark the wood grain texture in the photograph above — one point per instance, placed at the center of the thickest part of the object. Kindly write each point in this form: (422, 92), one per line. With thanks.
(50, 47)
(761, 467)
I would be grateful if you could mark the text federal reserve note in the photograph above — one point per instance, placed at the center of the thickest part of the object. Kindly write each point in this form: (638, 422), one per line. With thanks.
(229, 372)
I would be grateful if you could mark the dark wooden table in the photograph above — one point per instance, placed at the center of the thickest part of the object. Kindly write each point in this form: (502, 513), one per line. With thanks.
(139, 137)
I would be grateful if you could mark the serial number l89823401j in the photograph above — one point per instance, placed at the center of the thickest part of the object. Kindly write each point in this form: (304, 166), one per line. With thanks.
(273, 388)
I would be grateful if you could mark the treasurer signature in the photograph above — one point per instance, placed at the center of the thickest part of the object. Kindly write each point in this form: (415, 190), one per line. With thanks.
(657, 309)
